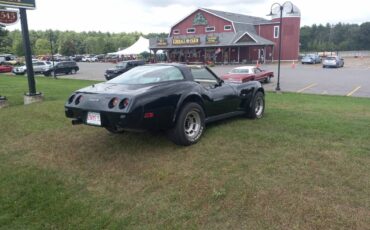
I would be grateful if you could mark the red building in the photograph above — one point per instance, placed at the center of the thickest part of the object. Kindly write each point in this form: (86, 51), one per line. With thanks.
(223, 37)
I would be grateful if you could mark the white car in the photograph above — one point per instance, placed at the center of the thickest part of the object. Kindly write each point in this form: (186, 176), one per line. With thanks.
(89, 59)
(38, 67)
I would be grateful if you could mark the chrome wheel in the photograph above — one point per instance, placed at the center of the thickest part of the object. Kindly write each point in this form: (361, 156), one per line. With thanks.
(259, 106)
(257, 109)
(189, 126)
(192, 124)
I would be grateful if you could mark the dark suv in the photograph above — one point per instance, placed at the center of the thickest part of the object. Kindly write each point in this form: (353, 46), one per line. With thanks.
(121, 68)
(64, 67)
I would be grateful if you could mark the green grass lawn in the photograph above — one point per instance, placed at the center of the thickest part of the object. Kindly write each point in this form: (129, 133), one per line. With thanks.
(306, 165)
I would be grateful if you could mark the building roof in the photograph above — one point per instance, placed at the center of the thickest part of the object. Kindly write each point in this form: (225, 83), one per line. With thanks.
(258, 39)
(241, 18)
(245, 33)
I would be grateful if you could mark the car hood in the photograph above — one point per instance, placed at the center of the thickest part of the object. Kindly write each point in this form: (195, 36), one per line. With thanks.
(109, 88)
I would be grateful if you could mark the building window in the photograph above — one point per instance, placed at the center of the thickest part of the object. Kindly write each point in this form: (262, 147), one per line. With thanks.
(276, 31)
(210, 29)
(228, 27)
(176, 31)
(191, 30)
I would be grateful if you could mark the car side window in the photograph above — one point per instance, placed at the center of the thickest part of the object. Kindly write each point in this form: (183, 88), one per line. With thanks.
(204, 77)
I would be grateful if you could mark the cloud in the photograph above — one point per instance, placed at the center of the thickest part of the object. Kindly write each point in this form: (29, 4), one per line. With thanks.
(159, 3)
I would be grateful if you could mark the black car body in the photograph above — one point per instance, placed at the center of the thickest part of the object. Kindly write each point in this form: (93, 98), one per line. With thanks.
(122, 67)
(172, 97)
(64, 67)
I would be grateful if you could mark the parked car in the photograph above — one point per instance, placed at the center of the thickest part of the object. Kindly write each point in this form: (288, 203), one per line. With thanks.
(248, 73)
(6, 68)
(77, 58)
(333, 61)
(122, 67)
(8, 59)
(91, 58)
(64, 67)
(311, 59)
(175, 98)
(38, 67)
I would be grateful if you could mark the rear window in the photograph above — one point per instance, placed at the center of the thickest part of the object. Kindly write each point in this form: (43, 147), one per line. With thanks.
(240, 71)
(331, 58)
(148, 74)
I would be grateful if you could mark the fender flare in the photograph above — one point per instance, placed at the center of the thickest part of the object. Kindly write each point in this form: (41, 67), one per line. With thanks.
(195, 97)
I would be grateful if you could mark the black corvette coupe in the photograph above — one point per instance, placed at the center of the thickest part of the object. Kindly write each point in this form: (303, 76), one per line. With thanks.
(176, 98)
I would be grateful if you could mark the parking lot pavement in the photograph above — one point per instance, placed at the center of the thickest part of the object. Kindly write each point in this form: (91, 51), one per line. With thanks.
(90, 71)
(352, 80)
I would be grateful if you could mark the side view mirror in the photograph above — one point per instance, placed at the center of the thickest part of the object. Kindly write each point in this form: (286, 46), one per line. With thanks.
(220, 82)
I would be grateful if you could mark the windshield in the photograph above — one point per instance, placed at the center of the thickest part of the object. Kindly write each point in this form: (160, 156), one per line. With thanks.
(121, 65)
(331, 58)
(148, 74)
(240, 71)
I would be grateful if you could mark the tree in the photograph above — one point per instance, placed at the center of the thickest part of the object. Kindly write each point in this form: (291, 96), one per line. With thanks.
(364, 35)
(42, 47)
(5, 42)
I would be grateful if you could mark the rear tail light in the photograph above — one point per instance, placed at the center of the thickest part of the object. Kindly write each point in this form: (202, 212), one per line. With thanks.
(71, 98)
(78, 99)
(124, 103)
(113, 102)
(149, 115)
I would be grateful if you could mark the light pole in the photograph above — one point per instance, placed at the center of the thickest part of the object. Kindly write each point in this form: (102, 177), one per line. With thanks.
(281, 9)
(52, 53)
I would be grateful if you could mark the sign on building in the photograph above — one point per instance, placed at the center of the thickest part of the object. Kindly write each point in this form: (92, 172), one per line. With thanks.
(28, 4)
(162, 42)
(186, 41)
(8, 17)
(212, 39)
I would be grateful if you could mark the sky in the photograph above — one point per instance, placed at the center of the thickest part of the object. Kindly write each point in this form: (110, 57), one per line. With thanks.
(155, 16)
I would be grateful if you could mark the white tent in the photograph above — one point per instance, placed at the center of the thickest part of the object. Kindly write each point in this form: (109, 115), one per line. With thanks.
(140, 46)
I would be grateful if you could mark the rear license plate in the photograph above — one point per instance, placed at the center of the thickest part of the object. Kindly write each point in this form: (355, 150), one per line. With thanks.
(93, 119)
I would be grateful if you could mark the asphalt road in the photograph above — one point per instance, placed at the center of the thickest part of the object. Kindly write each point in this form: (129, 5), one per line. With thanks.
(352, 80)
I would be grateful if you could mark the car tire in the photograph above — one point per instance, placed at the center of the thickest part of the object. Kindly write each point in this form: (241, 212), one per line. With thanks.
(114, 129)
(189, 125)
(268, 79)
(257, 109)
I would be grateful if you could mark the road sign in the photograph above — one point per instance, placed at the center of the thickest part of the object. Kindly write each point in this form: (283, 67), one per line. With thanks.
(8, 17)
(28, 4)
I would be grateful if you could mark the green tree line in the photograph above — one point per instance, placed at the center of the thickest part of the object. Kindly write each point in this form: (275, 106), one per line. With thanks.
(338, 37)
(68, 42)
(313, 38)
